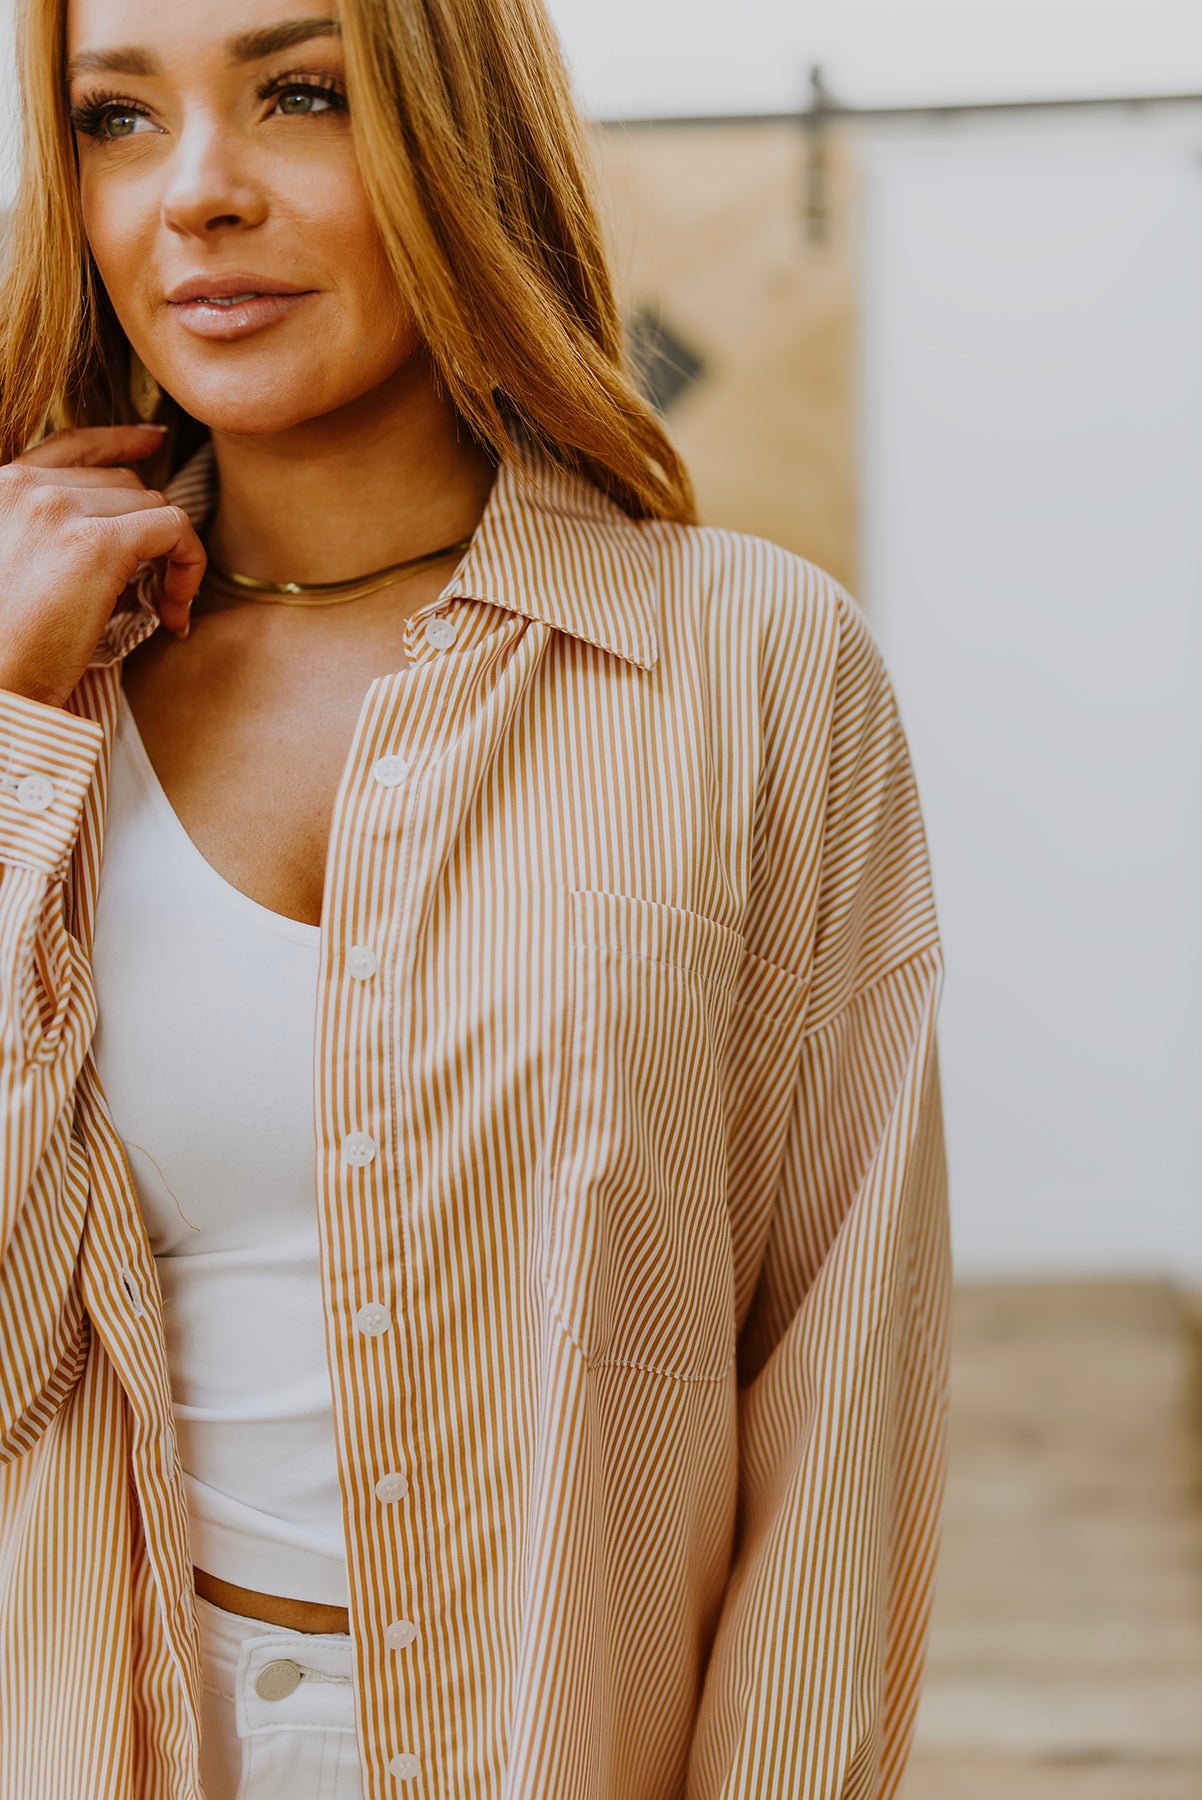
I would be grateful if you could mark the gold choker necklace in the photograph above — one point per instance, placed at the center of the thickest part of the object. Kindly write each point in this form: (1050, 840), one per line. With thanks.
(326, 593)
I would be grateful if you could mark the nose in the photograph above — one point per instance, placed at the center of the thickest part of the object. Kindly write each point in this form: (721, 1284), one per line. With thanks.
(210, 186)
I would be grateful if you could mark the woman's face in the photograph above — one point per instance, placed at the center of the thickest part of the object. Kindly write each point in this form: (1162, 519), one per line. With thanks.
(222, 201)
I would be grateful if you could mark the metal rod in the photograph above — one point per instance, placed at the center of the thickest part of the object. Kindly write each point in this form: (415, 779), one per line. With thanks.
(833, 110)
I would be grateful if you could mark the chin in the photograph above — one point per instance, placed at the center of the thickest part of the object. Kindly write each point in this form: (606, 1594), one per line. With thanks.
(246, 411)
(251, 403)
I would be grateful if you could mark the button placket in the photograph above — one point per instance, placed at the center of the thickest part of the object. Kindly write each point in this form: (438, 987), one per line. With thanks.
(400, 1634)
(133, 1292)
(373, 1319)
(362, 961)
(358, 1149)
(440, 632)
(390, 771)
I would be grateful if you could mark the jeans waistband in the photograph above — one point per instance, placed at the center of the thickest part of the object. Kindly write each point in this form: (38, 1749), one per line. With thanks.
(274, 1676)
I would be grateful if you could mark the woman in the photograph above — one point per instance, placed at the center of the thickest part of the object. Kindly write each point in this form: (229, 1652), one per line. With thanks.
(486, 1097)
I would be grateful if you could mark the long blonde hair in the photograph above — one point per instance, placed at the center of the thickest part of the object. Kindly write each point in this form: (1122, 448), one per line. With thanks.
(474, 161)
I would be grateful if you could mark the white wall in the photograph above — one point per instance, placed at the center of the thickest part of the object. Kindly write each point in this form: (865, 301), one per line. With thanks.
(647, 57)
(1032, 430)
(9, 123)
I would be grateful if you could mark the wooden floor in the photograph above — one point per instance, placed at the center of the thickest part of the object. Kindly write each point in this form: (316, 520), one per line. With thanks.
(1066, 1649)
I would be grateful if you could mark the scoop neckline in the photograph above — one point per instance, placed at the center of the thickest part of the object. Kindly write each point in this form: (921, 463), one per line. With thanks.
(172, 827)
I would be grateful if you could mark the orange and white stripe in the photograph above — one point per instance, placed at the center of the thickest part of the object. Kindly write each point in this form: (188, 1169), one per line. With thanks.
(636, 1265)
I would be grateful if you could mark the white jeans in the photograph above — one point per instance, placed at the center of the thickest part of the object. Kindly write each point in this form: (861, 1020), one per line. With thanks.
(278, 1711)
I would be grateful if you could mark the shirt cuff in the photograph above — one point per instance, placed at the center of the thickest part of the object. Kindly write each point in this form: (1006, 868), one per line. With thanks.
(47, 760)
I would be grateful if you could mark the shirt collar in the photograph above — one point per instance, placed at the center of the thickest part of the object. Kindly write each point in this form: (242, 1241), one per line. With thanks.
(550, 545)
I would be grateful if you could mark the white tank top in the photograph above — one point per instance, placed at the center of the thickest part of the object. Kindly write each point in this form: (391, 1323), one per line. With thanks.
(204, 1048)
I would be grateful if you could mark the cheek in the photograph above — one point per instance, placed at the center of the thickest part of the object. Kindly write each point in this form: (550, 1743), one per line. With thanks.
(340, 228)
(114, 225)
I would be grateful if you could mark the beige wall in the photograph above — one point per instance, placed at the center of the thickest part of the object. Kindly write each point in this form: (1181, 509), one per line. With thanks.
(707, 224)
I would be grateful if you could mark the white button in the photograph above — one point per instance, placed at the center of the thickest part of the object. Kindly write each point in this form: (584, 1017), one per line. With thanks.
(372, 1319)
(392, 1487)
(440, 633)
(361, 961)
(133, 1293)
(390, 771)
(405, 1766)
(358, 1148)
(35, 793)
(400, 1634)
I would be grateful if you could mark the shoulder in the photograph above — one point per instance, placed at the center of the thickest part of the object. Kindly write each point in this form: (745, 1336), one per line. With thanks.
(706, 582)
(783, 603)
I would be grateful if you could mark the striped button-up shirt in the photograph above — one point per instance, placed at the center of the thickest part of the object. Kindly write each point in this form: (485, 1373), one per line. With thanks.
(630, 1183)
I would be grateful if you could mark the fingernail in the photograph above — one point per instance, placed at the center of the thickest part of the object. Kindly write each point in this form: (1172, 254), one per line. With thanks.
(143, 426)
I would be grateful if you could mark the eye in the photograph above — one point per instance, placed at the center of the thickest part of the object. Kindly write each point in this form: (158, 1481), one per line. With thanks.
(301, 100)
(109, 120)
(117, 124)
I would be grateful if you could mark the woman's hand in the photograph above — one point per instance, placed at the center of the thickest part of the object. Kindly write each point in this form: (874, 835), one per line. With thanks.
(74, 525)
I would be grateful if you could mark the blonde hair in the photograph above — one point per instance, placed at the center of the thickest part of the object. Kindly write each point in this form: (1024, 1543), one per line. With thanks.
(474, 161)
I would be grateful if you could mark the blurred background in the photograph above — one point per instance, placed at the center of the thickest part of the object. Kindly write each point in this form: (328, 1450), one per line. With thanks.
(918, 288)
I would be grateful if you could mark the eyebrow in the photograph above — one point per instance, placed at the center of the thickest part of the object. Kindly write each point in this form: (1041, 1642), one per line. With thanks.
(248, 47)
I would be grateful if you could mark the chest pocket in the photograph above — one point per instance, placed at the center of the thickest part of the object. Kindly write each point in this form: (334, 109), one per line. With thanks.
(638, 1255)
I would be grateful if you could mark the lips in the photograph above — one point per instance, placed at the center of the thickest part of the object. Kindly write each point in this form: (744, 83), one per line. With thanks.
(235, 285)
(234, 306)
(225, 299)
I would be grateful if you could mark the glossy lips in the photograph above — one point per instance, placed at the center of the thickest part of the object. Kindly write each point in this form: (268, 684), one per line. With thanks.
(235, 305)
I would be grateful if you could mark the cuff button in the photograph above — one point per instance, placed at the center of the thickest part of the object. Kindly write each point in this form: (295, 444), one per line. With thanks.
(35, 793)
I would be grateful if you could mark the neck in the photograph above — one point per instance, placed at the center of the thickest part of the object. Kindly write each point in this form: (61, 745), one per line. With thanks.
(392, 475)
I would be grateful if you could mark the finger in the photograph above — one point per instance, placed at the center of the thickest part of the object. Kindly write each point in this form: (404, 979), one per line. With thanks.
(94, 446)
(86, 478)
(165, 531)
(111, 503)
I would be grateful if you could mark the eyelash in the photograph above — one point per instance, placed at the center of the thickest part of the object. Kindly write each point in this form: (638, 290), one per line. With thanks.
(90, 115)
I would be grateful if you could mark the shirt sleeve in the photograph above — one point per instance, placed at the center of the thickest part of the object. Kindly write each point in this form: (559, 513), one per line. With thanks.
(814, 1673)
(48, 760)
